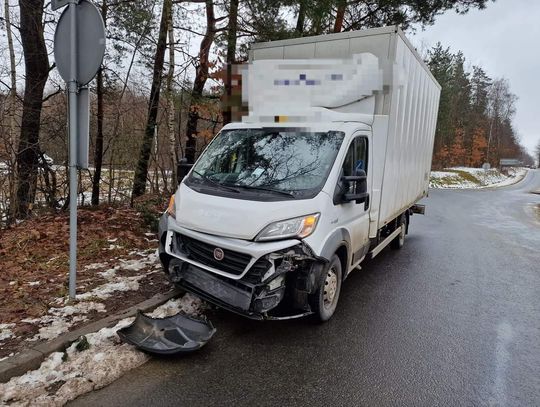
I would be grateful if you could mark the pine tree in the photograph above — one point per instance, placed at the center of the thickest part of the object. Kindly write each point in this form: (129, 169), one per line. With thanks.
(440, 63)
(141, 171)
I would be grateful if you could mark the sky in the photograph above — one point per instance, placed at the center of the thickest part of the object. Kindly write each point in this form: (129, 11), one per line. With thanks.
(504, 40)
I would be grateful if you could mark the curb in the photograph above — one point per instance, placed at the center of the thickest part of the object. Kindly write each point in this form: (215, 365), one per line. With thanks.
(31, 359)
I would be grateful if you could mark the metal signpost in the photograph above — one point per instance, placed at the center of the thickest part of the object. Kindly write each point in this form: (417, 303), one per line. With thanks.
(79, 46)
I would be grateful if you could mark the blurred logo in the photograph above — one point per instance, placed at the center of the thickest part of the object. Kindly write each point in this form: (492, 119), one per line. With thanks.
(219, 254)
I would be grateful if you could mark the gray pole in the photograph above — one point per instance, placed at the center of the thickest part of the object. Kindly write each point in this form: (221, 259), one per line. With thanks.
(72, 92)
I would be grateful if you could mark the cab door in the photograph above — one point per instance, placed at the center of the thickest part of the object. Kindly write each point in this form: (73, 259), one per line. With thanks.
(355, 216)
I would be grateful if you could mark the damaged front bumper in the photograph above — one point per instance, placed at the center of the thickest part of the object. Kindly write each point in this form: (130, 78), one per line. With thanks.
(271, 280)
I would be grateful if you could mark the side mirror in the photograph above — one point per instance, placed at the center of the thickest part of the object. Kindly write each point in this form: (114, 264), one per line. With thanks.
(357, 187)
(183, 169)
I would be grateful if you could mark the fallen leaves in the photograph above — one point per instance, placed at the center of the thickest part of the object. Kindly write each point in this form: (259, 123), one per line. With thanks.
(34, 261)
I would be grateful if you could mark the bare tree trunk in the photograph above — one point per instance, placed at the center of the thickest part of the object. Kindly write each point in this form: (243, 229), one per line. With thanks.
(141, 172)
(300, 21)
(12, 104)
(173, 145)
(98, 152)
(37, 71)
(231, 58)
(13, 78)
(340, 15)
(200, 80)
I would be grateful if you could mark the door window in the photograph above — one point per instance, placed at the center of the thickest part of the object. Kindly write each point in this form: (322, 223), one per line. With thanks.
(356, 158)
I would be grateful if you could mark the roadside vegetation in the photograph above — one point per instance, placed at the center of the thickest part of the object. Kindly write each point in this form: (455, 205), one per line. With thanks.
(472, 178)
(117, 268)
(476, 112)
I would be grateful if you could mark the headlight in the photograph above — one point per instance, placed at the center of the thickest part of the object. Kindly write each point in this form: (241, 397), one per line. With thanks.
(171, 209)
(297, 227)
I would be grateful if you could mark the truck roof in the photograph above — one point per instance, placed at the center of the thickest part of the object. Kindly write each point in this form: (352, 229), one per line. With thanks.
(315, 126)
(337, 45)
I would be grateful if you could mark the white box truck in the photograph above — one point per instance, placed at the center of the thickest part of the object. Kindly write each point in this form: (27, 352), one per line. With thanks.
(323, 173)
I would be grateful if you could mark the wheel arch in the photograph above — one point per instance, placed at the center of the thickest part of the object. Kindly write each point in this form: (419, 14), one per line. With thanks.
(339, 243)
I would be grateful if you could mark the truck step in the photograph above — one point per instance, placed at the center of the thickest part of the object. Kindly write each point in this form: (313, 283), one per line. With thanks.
(384, 243)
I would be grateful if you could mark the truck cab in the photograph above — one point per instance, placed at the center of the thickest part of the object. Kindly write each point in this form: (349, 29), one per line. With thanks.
(270, 215)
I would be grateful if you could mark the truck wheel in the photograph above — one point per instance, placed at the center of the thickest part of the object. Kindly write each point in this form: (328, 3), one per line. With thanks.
(324, 301)
(399, 241)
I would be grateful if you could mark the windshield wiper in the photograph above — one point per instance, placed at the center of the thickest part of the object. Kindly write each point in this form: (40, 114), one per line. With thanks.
(263, 188)
(217, 184)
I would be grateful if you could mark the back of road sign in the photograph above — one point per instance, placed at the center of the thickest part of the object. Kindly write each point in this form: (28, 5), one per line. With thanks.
(56, 4)
(90, 34)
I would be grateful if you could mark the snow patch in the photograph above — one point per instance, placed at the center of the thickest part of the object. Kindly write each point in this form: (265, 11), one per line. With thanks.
(138, 264)
(95, 266)
(121, 283)
(109, 274)
(5, 331)
(113, 247)
(59, 320)
(63, 316)
(453, 179)
(443, 174)
(189, 304)
(107, 289)
(30, 320)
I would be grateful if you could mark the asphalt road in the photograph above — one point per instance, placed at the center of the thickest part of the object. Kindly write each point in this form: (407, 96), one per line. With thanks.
(453, 319)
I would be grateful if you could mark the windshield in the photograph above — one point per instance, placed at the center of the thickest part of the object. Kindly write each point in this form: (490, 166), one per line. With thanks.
(269, 161)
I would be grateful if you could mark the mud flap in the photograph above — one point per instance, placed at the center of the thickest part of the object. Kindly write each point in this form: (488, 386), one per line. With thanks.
(167, 336)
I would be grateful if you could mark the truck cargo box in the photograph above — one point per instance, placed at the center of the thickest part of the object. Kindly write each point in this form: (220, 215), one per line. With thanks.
(403, 112)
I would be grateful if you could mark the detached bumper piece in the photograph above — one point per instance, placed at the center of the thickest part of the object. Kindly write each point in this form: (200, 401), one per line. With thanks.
(167, 336)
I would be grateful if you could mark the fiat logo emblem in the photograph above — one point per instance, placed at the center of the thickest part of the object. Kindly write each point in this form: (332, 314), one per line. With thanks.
(219, 254)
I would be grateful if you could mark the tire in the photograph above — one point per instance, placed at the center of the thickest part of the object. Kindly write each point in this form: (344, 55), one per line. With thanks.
(399, 241)
(324, 301)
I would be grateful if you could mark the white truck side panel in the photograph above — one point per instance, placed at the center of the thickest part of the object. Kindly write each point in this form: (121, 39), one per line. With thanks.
(405, 113)
(411, 131)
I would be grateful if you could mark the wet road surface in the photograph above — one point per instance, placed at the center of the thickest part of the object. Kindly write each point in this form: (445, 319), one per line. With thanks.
(453, 319)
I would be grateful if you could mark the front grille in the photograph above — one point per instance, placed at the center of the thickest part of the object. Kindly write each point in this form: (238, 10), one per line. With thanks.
(233, 262)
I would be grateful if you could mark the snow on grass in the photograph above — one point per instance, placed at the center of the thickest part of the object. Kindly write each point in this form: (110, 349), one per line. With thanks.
(60, 319)
(106, 290)
(447, 179)
(64, 376)
(443, 174)
(95, 266)
(122, 283)
(474, 178)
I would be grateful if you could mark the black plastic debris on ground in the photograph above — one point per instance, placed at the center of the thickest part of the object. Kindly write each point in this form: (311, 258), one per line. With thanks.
(167, 336)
